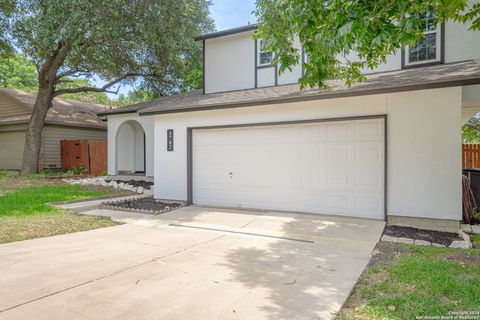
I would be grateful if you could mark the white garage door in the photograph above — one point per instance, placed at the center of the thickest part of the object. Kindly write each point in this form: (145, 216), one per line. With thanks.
(325, 167)
(11, 150)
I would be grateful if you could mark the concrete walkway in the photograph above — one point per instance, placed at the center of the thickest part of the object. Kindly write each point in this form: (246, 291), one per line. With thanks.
(191, 263)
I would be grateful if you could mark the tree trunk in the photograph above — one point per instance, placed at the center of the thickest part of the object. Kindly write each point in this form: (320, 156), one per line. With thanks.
(33, 138)
(47, 78)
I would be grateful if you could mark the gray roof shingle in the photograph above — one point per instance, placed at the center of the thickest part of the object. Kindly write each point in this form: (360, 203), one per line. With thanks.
(437, 76)
(63, 111)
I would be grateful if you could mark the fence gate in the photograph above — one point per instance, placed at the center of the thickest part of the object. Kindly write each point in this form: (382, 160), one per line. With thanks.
(470, 156)
(92, 155)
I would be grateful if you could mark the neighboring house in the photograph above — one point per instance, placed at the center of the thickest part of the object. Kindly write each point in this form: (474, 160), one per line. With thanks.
(389, 148)
(66, 120)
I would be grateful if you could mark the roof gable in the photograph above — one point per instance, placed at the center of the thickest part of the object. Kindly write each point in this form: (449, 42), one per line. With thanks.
(11, 107)
(63, 111)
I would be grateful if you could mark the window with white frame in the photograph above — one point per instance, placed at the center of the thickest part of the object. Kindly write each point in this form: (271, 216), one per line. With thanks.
(426, 49)
(265, 57)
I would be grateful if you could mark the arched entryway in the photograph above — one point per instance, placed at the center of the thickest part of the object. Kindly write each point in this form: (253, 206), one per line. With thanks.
(130, 142)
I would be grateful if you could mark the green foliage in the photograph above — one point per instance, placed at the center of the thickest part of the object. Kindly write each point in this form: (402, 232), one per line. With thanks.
(47, 173)
(17, 72)
(195, 78)
(332, 32)
(471, 135)
(476, 215)
(6, 9)
(93, 97)
(135, 96)
(76, 170)
(115, 40)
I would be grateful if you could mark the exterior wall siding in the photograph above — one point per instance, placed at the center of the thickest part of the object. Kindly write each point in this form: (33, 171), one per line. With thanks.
(13, 127)
(10, 107)
(52, 135)
(424, 158)
(12, 144)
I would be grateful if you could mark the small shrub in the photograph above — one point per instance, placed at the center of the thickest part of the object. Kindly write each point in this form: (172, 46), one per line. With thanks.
(76, 170)
(47, 173)
(476, 215)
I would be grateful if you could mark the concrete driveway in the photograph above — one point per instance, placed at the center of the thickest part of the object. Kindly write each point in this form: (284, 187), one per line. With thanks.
(192, 263)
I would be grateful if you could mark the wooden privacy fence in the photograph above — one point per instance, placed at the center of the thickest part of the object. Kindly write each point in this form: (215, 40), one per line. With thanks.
(470, 156)
(92, 155)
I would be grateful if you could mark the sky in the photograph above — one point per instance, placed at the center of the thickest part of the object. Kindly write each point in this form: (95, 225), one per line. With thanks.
(229, 14)
(226, 14)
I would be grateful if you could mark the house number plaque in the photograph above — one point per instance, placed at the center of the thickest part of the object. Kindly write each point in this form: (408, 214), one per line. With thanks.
(170, 140)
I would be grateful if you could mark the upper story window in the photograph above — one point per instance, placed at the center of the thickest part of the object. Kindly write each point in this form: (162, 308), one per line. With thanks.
(427, 49)
(265, 57)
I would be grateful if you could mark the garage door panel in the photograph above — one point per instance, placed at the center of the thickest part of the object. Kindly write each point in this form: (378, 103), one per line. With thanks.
(369, 180)
(338, 130)
(330, 168)
(369, 152)
(372, 129)
(368, 205)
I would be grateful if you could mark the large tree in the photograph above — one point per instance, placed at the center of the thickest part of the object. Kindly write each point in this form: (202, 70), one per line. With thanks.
(120, 41)
(331, 31)
(6, 9)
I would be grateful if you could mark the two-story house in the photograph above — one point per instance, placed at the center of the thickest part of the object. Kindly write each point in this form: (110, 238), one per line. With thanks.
(388, 148)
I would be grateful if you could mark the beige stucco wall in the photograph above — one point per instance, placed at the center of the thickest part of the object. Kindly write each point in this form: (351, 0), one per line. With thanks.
(424, 143)
(229, 63)
(115, 138)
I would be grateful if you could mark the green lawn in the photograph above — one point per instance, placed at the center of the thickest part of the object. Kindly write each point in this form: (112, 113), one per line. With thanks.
(25, 213)
(33, 200)
(475, 240)
(405, 282)
(5, 174)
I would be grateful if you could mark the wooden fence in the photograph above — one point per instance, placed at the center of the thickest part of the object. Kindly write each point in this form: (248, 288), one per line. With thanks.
(470, 156)
(92, 155)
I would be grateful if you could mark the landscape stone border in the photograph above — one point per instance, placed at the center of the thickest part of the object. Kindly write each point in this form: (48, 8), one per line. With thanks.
(464, 244)
(473, 229)
(115, 205)
(116, 184)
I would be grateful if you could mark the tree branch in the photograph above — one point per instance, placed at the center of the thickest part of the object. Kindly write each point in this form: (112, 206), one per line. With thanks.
(104, 88)
(72, 73)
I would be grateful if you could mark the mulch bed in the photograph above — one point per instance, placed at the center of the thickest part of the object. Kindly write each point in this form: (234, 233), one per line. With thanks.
(135, 183)
(146, 205)
(445, 238)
